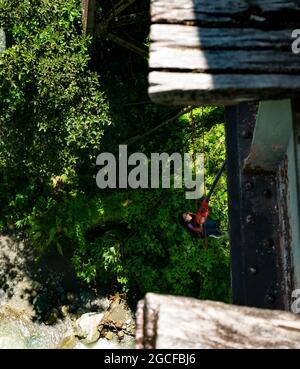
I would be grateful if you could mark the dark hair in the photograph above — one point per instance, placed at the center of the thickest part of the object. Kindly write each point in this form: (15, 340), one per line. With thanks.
(184, 224)
(181, 220)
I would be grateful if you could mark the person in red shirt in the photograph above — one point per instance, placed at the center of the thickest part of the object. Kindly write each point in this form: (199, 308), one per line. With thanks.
(199, 226)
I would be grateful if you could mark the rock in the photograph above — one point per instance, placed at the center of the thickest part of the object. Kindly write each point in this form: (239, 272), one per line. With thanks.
(102, 331)
(131, 328)
(109, 336)
(119, 325)
(67, 343)
(64, 310)
(118, 312)
(52, 317)
(120, 316)
(33, 293)
(121, 335)
(87, 327)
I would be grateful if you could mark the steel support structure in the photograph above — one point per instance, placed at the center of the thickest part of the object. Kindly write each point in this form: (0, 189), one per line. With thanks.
(253, 217)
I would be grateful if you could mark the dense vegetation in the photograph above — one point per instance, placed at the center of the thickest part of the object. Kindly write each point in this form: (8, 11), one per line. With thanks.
(63, 102)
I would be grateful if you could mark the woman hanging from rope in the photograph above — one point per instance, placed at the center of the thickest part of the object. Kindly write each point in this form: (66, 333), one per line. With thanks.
(198, 224)
(200, 227)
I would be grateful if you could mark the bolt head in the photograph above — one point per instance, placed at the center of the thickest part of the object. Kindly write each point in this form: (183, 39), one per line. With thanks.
(252, 270)
(246, 134)
(249, 186)
(250, 219)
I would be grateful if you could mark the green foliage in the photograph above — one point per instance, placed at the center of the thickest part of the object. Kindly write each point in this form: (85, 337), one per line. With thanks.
(53, 111)
(141, 252)
(57, 113)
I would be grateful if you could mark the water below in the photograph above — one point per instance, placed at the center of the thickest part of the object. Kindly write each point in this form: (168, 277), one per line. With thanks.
(18, 329)
(18, 334)
(15, 334)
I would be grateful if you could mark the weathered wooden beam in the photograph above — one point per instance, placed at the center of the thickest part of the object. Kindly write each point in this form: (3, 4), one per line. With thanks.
(88, 15)
(165, 322)
(221, 11)
(110, 19)
(120, 7)
(223, 42)
(220, 89)
(224, 61)
(177, 47)
(127, 20)
(142, 136)
(178, 36)
(117, 9)
(128, 45)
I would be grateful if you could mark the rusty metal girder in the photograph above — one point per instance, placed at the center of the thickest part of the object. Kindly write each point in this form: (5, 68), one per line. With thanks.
(257, 278)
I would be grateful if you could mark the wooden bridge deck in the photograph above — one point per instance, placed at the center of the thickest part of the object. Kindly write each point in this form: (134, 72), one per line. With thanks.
(223, 51)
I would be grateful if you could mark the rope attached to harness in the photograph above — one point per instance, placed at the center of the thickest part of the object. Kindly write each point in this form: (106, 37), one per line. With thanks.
(194, 148)
(203, 211)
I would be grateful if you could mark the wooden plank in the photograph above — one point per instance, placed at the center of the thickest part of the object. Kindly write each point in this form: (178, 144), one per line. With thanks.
(224, 61)
(221, 89)
(244, 39)
(88, 15)
(180, 36)
(219, 11)
(165, 322)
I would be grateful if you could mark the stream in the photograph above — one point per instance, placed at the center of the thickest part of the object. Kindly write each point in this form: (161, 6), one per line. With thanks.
(18, 334)
(41, 305)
